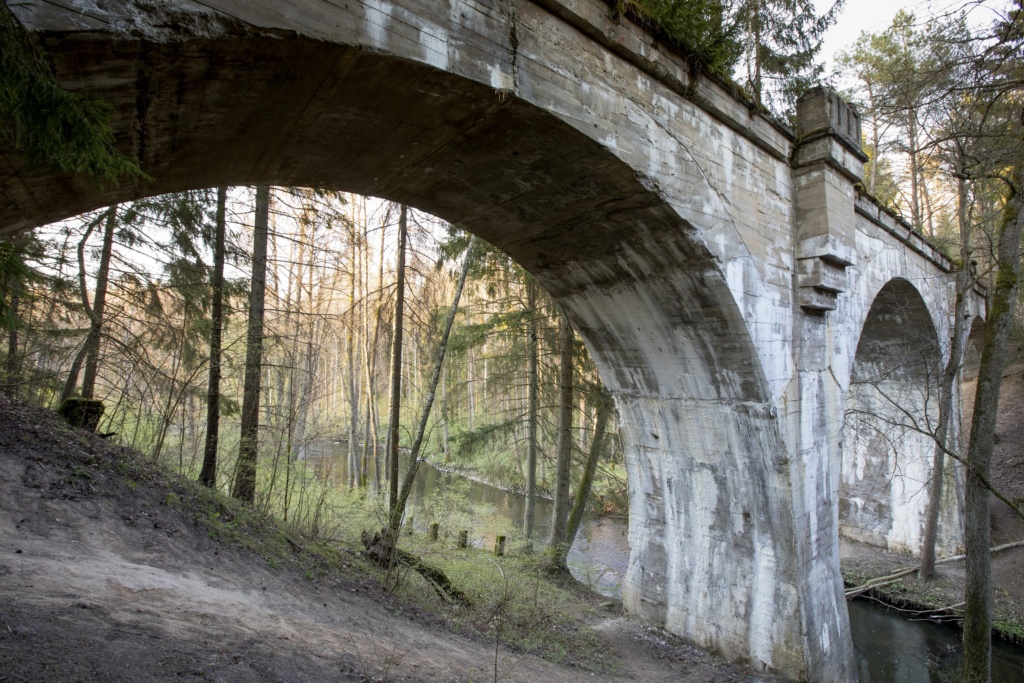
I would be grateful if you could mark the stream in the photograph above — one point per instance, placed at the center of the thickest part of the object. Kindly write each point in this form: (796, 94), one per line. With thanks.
(889, 647)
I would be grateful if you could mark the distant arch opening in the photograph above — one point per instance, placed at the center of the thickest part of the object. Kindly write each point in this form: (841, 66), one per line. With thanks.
(891, 411)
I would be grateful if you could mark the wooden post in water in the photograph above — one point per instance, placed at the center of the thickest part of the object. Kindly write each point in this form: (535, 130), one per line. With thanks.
(499, 546)
(434, 526)
(463, 539)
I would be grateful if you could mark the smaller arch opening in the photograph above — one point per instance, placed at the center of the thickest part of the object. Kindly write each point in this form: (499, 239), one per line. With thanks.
(891, 412)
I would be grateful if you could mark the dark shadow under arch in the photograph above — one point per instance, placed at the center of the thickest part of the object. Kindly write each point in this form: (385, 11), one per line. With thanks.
(286, 110)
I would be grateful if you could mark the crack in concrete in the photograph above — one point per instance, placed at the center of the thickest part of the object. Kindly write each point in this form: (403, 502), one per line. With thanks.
(513, 42)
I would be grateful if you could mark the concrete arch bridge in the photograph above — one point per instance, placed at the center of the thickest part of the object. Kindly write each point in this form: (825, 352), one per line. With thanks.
(735, 290)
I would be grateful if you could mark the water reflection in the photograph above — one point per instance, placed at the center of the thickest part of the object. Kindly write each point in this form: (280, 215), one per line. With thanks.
(891, 648)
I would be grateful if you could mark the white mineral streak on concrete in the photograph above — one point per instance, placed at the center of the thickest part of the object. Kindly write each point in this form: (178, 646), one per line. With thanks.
(763, 607)
(435, 46)
(500, 79)
(767, 315)
(377, 19)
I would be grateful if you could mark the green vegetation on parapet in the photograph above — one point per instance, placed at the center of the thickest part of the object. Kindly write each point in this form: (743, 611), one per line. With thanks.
(698, 29)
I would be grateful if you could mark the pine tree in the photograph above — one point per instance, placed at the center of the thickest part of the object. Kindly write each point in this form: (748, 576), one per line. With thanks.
(51, 125)
(208, 474)
(245, 474)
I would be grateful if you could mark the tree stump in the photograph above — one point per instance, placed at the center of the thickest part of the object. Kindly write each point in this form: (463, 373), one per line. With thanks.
(82, 412)
(381, 550)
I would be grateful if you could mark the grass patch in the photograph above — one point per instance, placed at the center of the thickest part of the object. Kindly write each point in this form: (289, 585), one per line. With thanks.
(513, 601)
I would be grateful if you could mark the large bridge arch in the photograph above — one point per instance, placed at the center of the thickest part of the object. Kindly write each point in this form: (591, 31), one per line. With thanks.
(609, 192)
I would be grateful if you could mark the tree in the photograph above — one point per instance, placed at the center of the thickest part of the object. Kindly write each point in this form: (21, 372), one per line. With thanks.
(902, 81)
(947, 380)
(990, 80)
(560, 511)
(91, 347)
(604, 411)
(398, 510)
(994, 357)
(245, 473)
(775, 42)
(396, 364)
(782, 41)
(208, 475)
(705, 28)
(533, 400)
(51, 125)
(16, 274)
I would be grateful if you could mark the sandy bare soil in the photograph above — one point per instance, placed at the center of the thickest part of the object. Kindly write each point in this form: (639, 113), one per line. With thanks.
(102, 580)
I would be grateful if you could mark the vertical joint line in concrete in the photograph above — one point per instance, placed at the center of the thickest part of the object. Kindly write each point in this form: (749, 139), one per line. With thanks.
(513, 41)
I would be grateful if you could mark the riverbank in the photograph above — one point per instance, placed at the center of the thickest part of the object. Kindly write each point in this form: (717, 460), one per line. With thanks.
(113, 570)
(931, 599)
(607, 497)
(940, 599)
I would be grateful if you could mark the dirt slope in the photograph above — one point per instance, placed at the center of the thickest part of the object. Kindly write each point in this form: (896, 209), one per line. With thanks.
(102, 578)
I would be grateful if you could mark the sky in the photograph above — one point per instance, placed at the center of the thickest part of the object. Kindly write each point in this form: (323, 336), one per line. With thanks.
(876, 15)
(858, 16)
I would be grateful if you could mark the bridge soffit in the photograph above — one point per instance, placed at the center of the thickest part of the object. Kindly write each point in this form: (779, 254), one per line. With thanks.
(672, 133)
(687, 137)
(913, 307)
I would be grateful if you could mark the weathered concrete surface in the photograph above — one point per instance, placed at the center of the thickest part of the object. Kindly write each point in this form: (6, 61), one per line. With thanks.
(719, 272)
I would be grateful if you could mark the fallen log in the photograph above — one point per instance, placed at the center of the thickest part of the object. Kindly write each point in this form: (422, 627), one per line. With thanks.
(896, 576)
(380, 548)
